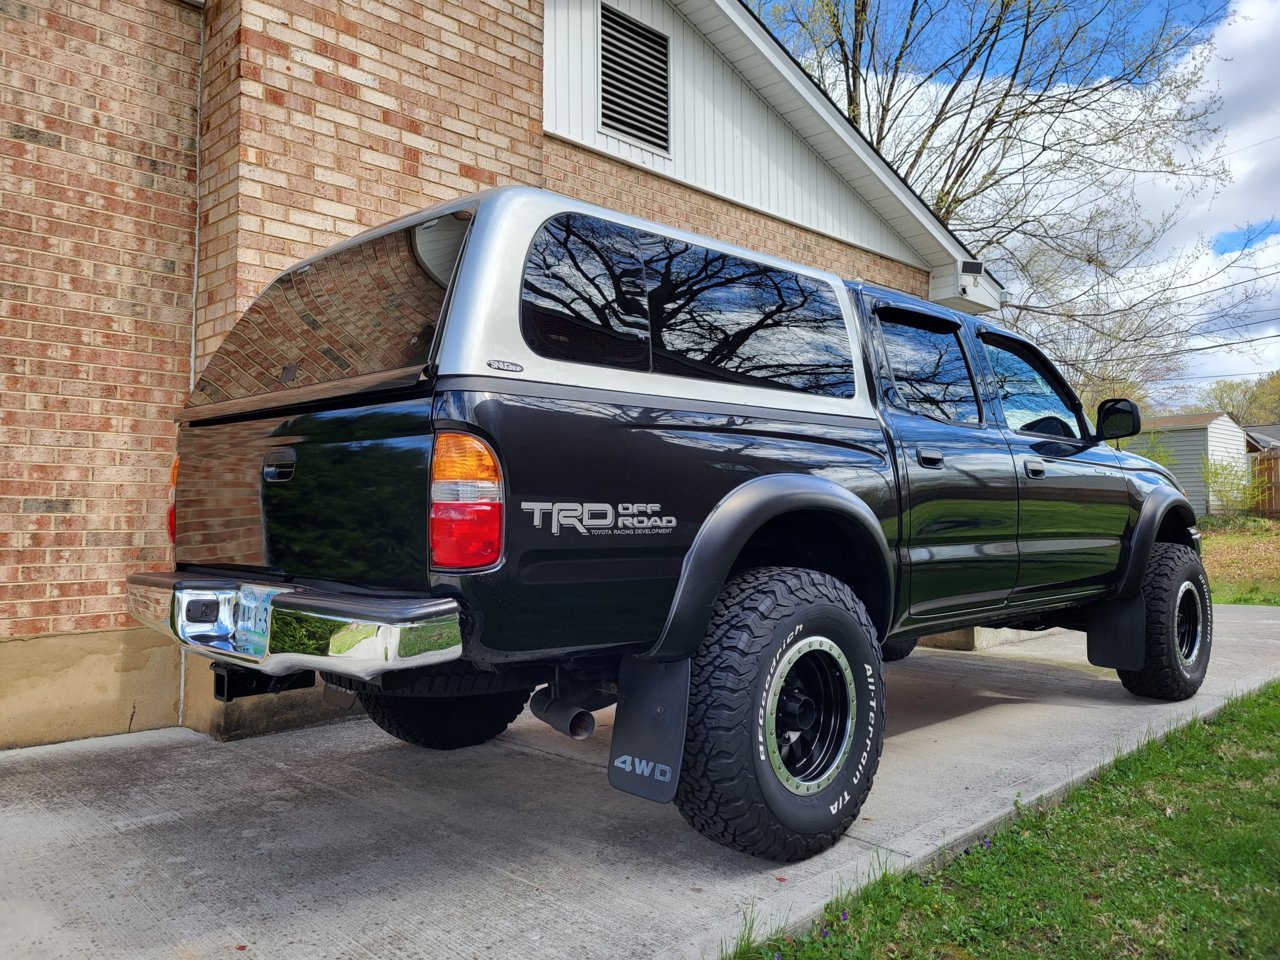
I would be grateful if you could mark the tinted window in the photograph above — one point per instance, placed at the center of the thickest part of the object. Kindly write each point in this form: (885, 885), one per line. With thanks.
(930, 372)
(583, 294)
(1031, 401)
(719, 317)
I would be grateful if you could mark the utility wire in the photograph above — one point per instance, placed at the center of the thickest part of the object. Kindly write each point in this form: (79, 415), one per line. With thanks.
(1205, 376)
(1177, 353)
(1139, 305)
(1229, 153)
(1219, 376)
(1232, 327)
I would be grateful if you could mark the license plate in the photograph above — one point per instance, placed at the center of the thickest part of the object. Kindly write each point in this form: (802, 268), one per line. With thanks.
(253, 620)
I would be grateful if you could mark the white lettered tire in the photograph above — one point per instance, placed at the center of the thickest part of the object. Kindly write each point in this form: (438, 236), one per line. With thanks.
(786, 715)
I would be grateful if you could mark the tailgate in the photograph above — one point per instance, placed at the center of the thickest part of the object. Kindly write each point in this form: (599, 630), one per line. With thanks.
(339, 495)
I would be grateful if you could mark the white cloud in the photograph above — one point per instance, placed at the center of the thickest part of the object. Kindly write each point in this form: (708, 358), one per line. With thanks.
(1246, 73)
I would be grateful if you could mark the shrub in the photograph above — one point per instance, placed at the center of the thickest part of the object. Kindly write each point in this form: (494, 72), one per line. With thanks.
(1234, 486)
(1237, 523)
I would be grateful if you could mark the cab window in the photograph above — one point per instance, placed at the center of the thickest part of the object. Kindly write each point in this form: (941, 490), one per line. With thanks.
(1033, 401)
(930, 374)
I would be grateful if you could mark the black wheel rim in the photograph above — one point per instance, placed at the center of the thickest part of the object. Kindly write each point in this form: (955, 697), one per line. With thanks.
(1189, 623)
(809, 715)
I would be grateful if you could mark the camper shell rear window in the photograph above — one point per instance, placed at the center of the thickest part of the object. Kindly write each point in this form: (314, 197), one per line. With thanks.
(366, 309)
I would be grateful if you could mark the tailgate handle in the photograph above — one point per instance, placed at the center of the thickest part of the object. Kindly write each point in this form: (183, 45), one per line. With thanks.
(277, 465)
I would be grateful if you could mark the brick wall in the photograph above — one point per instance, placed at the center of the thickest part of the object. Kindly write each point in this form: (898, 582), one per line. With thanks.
(587, 175)
(217, 292)
(97, 217)
(317, 119)
(351, 114)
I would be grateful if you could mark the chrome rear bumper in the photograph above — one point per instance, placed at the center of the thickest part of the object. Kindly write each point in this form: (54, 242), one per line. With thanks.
(361, 637)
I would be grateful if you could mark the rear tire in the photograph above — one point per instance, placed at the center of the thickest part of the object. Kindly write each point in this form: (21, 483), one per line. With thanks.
(892, 650)
(786, 715)
(445, 723)
(1179, 614)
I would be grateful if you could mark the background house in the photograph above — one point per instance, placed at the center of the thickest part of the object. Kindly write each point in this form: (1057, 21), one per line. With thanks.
(1185, 441)
(163, 159)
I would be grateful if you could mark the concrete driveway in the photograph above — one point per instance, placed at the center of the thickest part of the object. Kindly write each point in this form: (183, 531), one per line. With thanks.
(342, 842)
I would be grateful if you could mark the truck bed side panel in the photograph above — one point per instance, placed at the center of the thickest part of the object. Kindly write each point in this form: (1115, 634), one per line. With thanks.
(606, 492)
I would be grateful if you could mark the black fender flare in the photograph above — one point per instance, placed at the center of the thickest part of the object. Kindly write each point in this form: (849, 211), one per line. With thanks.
(726, 531)
(1160, 502)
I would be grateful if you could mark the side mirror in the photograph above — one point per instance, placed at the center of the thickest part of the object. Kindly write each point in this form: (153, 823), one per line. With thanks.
(1118, 418)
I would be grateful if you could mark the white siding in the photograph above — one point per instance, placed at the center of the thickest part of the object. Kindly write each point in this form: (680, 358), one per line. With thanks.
(1226, 443)
(724, 138)
(1222, 440)
(1187, 449)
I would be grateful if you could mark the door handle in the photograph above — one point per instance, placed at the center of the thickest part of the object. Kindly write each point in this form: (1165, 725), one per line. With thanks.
(1034, 468)
(930, 457)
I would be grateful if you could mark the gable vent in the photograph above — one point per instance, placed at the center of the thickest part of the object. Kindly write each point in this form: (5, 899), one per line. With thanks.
(635, 93)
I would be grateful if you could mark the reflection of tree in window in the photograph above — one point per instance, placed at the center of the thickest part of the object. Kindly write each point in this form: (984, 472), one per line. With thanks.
(584, 294)
(1029, 399)
(720, 317)
(930, 372)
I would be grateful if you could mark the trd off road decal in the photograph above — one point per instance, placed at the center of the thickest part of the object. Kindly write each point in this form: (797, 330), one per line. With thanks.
(600, 518)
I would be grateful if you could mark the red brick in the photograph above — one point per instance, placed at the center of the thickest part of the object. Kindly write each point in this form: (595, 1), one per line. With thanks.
(101, 240)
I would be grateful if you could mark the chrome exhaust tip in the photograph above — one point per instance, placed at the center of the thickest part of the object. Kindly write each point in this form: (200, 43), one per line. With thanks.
(573, 722)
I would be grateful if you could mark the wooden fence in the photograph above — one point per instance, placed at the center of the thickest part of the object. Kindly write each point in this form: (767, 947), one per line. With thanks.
(1267, 464)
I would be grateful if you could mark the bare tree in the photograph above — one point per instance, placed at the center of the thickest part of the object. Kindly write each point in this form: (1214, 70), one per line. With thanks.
(1029, 127)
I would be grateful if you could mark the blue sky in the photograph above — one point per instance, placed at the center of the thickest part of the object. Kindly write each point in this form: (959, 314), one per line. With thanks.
(1244, 238)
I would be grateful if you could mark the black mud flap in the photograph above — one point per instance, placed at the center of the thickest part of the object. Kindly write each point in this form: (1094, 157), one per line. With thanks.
(648, 728)
(1118, 633)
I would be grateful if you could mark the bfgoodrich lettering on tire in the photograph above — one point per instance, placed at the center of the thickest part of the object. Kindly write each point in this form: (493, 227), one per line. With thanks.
(786, 715)
(1179, 612)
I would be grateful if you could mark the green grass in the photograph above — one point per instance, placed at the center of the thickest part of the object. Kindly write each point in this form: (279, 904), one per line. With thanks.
(1173, 852)
(1244, 566)
(1247, 591)
(349, 636)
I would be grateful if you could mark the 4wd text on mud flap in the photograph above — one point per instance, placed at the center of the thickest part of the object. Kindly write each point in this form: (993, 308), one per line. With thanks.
(643, 768)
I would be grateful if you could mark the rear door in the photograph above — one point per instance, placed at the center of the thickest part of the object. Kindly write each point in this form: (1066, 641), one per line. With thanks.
(960, 496)
(1074, 499)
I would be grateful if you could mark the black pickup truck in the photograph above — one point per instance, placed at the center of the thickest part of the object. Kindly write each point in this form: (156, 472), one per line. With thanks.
(517, 444)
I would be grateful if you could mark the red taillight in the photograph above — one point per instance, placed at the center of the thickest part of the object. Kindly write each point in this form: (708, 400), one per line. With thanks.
(465, 535)
(466, 503)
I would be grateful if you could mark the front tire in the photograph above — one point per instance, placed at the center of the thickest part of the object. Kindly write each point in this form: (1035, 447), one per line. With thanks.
(445, 723)
(1179, 615)
(786, 715)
